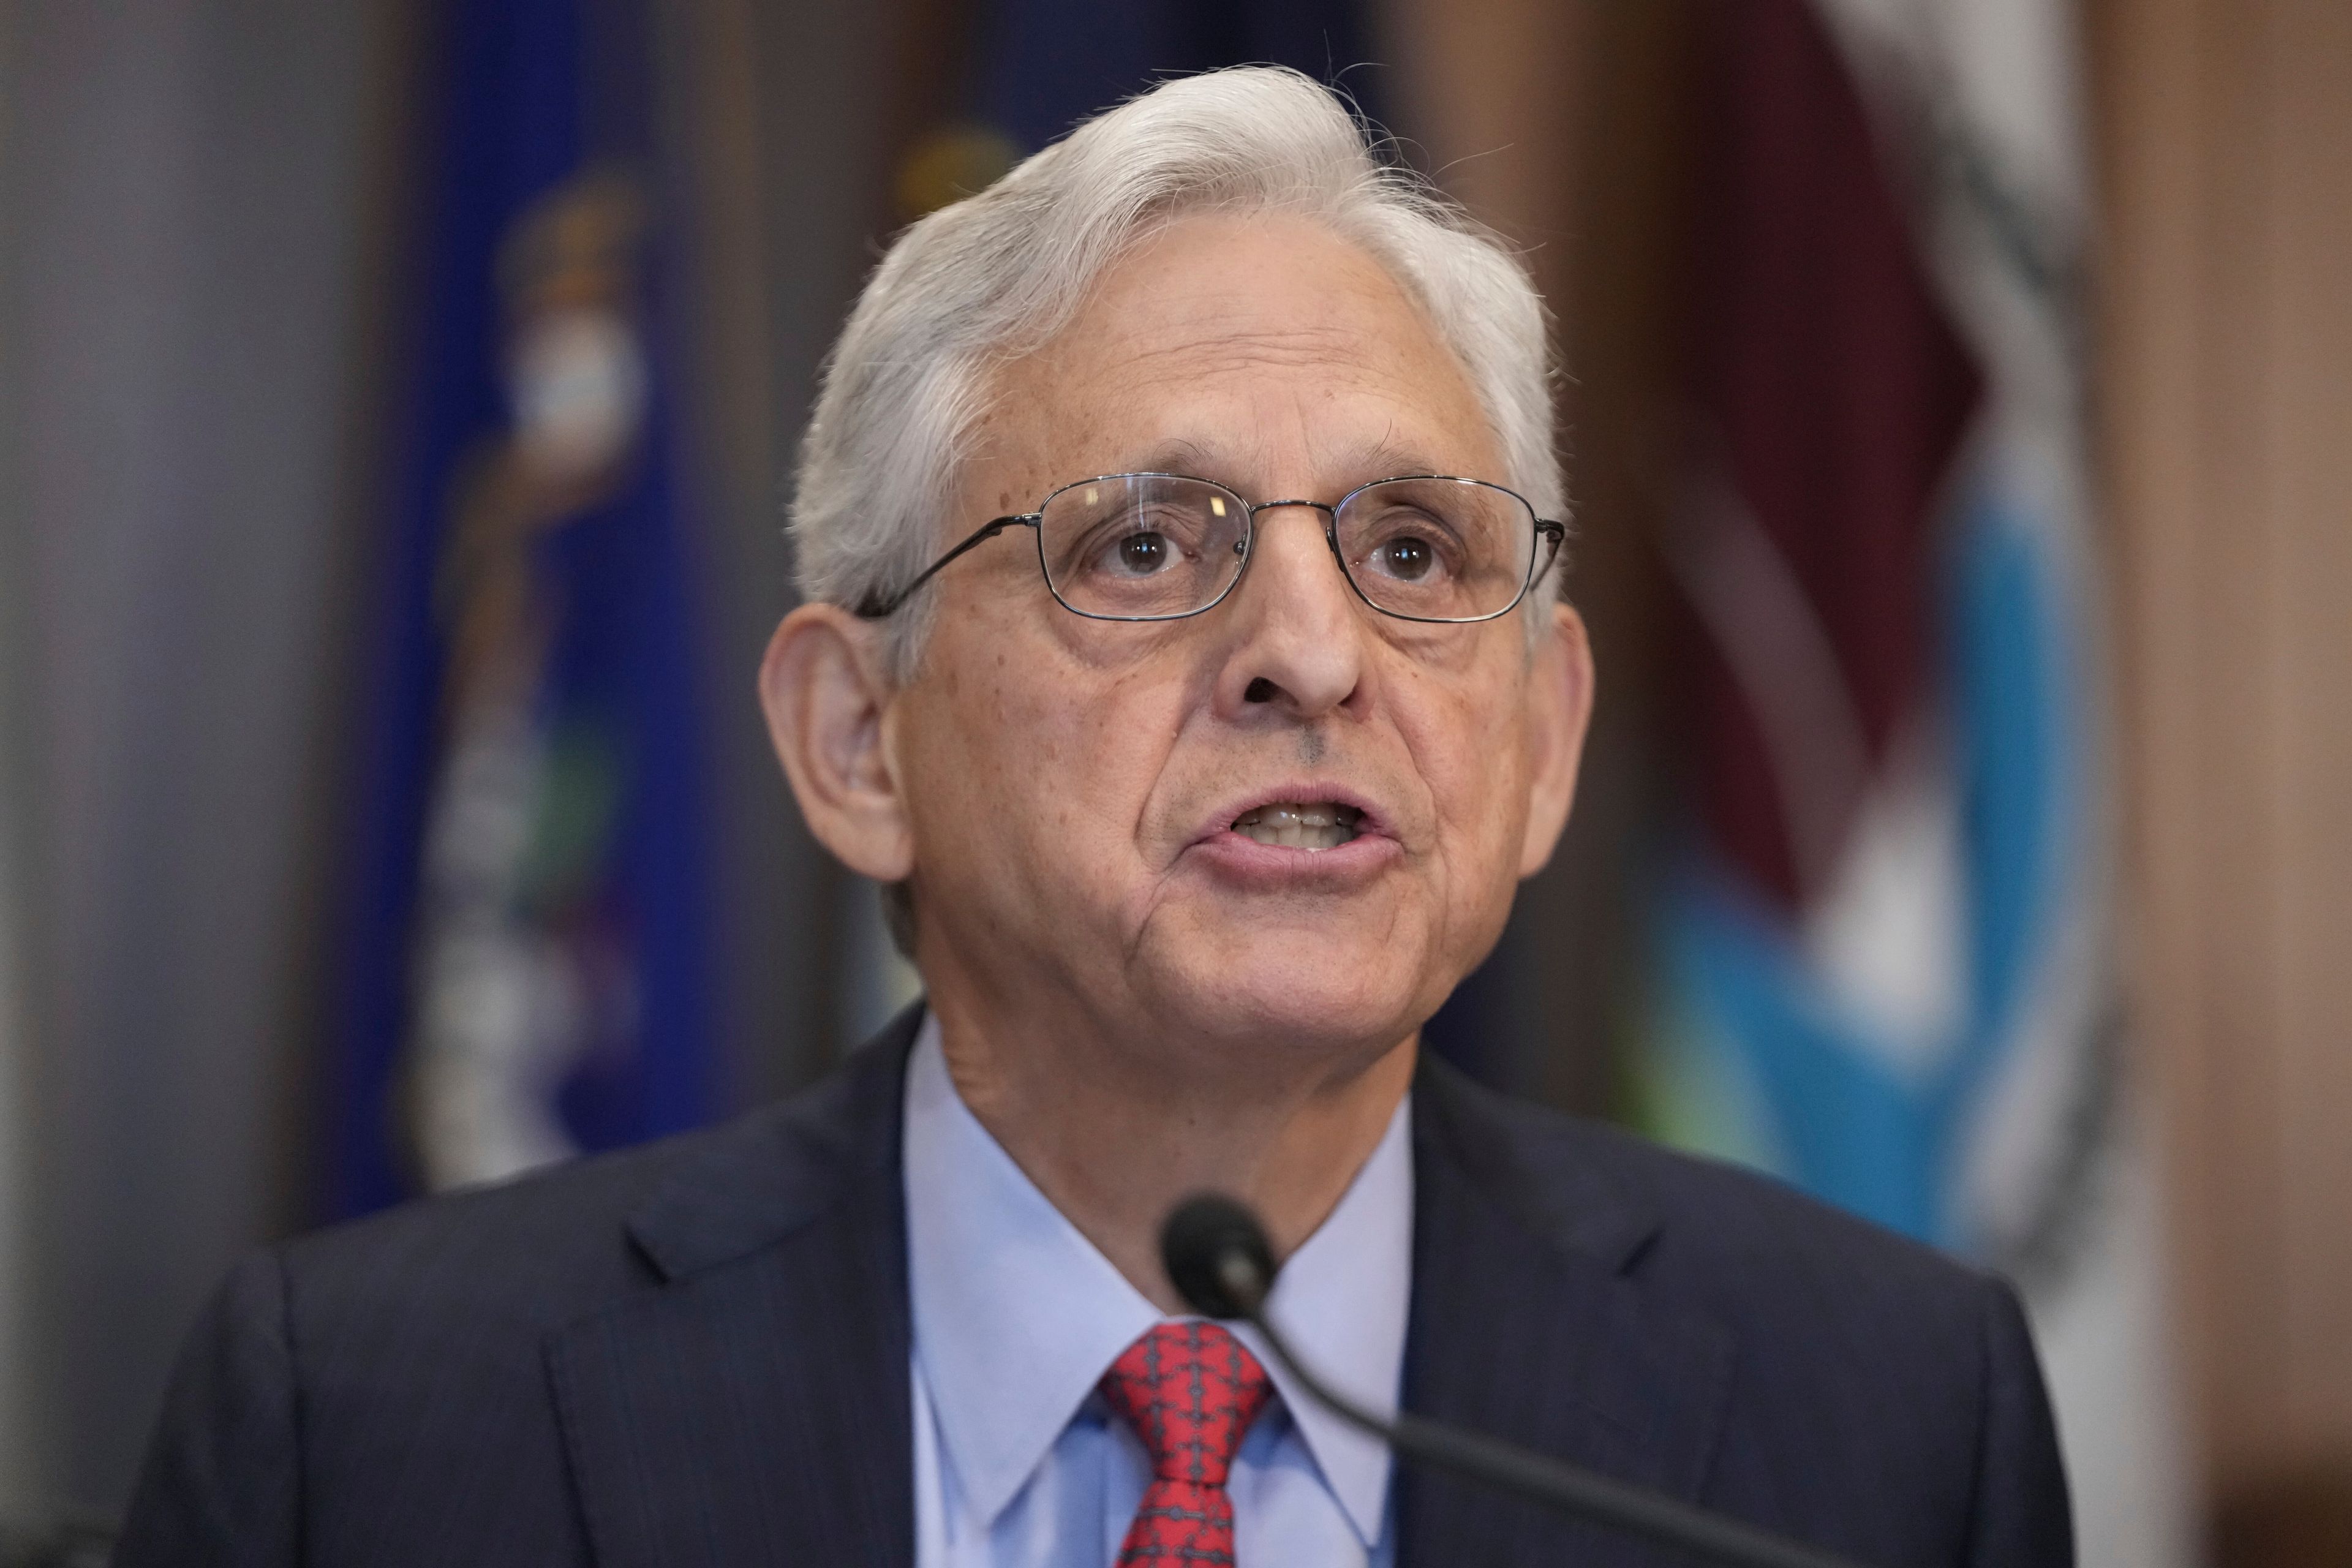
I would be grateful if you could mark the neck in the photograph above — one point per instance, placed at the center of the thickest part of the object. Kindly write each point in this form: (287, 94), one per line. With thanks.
(1117, 1138)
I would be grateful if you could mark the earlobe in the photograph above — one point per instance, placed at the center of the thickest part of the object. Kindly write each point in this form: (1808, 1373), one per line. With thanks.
(827, 697)
(1560, 708)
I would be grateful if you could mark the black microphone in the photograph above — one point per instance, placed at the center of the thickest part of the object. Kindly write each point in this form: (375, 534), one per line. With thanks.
(1218, 1258)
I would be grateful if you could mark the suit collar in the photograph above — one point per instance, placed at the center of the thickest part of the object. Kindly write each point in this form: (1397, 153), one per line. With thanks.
(1532, 1321)
(754, 1404)
(1532, 1165)
(772, 1173)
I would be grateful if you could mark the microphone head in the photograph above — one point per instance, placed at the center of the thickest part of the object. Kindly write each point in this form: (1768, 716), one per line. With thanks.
(1217, 1255)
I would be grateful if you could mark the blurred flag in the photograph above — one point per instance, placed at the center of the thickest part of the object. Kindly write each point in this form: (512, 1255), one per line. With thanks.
(526, 973)
(1884, 944)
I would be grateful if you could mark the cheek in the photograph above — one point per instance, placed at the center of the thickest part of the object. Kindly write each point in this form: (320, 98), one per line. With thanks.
(958, 774)
(1039, 758)
(1471, 746)
(1108, 737)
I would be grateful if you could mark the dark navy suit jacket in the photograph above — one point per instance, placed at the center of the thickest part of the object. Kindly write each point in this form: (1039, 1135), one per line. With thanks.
(697, 1353)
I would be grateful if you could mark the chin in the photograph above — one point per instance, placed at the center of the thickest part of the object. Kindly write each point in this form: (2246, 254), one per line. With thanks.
(1319, 997)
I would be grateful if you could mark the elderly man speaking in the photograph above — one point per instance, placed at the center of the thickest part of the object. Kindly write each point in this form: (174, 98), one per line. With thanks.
(1180, 529)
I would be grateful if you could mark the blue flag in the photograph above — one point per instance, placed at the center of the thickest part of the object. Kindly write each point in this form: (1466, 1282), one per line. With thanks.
(525, 970)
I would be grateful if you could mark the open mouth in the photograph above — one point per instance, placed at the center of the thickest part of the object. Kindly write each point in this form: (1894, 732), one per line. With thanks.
(1300, 824)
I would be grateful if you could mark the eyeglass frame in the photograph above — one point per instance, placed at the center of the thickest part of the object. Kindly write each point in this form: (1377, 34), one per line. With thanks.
(1538, 562)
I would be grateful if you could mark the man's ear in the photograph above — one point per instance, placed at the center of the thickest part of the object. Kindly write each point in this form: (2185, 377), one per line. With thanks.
(826, 693)
(1560, 707)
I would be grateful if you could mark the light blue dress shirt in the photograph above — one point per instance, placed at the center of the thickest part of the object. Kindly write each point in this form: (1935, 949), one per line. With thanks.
(1017, 1316)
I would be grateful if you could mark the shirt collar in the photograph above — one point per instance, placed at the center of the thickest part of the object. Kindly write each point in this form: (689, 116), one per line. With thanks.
(1017, 1316)
(1341, 1302)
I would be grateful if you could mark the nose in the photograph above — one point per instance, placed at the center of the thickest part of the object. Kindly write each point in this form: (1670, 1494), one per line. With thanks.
(1296, 638)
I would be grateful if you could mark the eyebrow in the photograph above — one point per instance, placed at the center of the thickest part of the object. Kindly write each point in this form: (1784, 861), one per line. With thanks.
(1363, 461)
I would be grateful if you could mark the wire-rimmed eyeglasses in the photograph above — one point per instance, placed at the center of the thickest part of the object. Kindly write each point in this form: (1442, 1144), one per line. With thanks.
(1159, 547)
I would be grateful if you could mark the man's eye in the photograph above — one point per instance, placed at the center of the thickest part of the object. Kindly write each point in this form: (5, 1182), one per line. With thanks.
(1143, 553)
(1407, 558)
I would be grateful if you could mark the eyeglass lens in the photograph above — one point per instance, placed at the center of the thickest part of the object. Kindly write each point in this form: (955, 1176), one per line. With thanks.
(1156, 547)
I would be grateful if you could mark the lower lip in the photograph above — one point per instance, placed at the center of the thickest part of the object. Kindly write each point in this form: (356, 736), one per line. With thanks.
(1242, 860)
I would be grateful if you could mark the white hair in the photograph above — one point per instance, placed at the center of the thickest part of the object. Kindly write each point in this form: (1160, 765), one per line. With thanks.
(997, 274)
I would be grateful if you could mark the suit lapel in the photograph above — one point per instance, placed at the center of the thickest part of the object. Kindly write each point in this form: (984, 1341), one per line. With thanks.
(1528, 1324)
(753, 1408)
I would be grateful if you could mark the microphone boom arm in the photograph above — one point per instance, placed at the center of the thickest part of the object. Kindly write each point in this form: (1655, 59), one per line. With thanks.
(1243, 1277)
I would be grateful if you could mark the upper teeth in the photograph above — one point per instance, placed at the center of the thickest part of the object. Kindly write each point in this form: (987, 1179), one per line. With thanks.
(1297, 825)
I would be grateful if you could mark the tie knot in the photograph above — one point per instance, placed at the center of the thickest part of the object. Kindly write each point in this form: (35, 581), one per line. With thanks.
(1189, 1391)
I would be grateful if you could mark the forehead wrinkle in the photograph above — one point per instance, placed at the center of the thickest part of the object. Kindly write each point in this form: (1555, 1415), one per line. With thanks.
(1224, 349)
(1141, 361)
(1336, 351)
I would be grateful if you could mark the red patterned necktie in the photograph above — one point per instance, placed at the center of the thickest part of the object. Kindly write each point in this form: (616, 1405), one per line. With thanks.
(1191, 1391)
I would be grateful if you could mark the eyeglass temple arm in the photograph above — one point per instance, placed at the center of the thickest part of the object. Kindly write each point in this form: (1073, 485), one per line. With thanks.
(876, 609)
(1555, 531)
